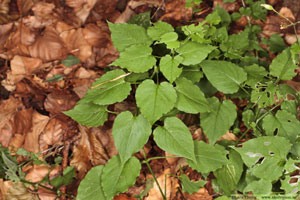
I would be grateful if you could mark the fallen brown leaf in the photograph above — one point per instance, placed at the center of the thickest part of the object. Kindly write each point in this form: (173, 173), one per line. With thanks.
(39, 123)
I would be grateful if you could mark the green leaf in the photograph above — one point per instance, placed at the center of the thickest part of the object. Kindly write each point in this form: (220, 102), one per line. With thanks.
(213, 18)
(190, 98)
(170, 39)
(190, 186)
(286, 124)
(65, 179)
(216, 123)
(229, 175)
(264, 154)
(70, 60)
(260, 187)
(192, 73)
(88, 114)
(117, 178)
(56, 77)
(175, 138)
(134, 77)
(90, 187)
(142, 19)
(130, 134)
(282, 66)
(248, 118)
(125, 35)
(255, 74)
(136, 58)
(193, 53)
(169, 67)
(155, 100)
(208, 158)
(276, 43)
(160, 28)
(108, 89)
(223, 75)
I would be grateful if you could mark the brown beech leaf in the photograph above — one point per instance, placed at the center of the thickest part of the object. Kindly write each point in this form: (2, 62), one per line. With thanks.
(228, 136)
(286, 12)
(11, 79)
(74, 39)
(272, 25)
(81, 86)
(95, 148)
(96, 36)
(202, 194)
(48, 46)
(8, 110)
(4, 186)
(18, 191)
(22, 125)
(58, 101)
(52, 135)
(39, 123)
(25, 65)
(4, 33)
(82, 8)
(176, 12)
(167, 184)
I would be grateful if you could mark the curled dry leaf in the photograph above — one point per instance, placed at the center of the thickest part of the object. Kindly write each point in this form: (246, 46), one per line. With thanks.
(6, 133)
(52, 135)
(81, 86)
(39, 123)
(74, 39)
(229, 7)
(228, 136)
(10, 82)
(82, 8)
(58, 101)
(94, 148)
(48, 46)
(168, 185)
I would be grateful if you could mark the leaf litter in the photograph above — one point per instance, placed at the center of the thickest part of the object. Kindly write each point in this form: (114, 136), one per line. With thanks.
(31, 117)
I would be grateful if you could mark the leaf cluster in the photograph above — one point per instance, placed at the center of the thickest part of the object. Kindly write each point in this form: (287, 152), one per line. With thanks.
(179, 71)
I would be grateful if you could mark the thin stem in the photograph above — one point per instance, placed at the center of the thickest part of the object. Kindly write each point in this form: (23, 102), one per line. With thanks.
(154, 177)
(242, 136)
(267, 113)
(159, 157)
(248, 18)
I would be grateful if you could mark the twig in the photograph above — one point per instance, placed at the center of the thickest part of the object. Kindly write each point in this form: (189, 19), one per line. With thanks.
(115, 79)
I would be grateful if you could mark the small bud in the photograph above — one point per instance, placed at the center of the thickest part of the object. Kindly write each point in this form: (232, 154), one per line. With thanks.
(267, 6)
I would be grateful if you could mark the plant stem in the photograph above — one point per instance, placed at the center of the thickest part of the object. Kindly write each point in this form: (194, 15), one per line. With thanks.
(248, 18)
(146, 161)
(242, 136)
(267, 113)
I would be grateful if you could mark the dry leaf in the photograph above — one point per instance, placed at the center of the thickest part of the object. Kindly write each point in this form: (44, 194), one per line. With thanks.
(228, 136)
(21, 65)
(92, 149)
(52, 135)
(202, 194)
(96, 36)
(82, 8)
(39, 123)
(167, 184)
(74, 39)
(4, 33)
(59, 101)
(20, 192)
(286, 12)
(48, 46)
(4, 186)
(272, 25)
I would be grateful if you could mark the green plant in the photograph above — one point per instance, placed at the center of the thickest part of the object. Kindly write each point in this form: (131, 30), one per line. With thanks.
(11, 169)
(178, 71)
